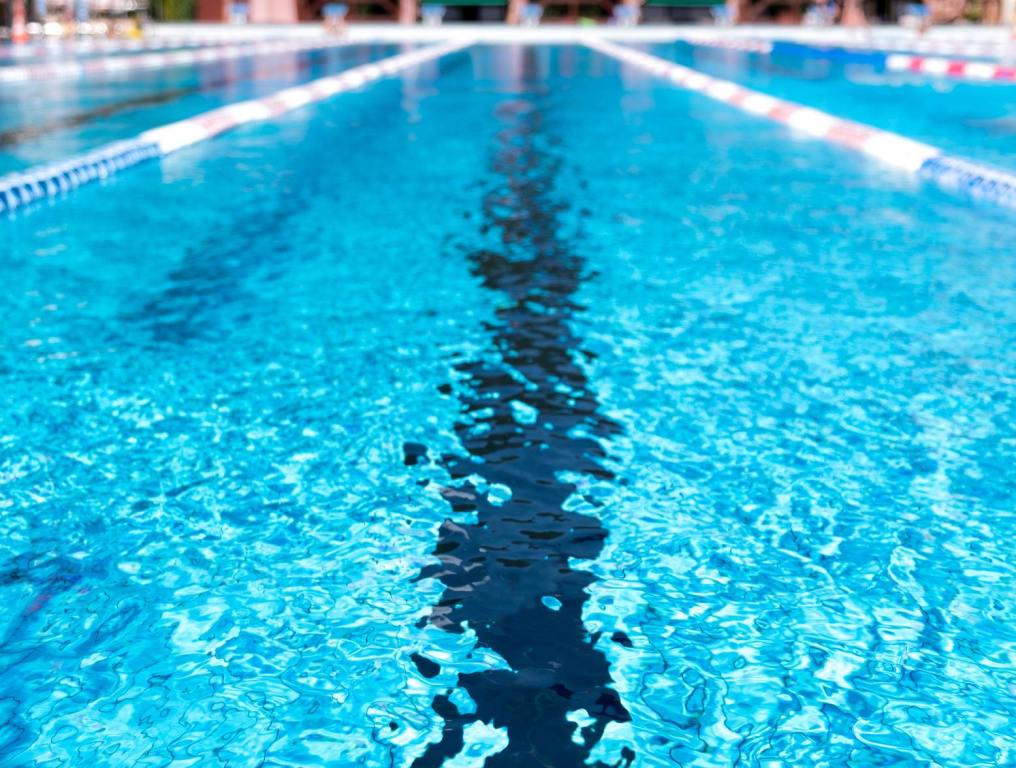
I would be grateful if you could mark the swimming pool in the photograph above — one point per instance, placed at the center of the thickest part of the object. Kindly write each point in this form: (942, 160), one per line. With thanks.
(520, 409)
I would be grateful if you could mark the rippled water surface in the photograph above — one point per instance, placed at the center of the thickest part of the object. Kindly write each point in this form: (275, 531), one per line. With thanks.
(519, 411)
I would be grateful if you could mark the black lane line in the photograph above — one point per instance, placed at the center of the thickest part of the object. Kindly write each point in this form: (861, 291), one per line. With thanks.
(497, 571)
(15, 136)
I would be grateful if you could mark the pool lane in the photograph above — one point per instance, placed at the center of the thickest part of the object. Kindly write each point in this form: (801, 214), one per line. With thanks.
(22, 103)
(981, 181)
(64, 119)
(280, 252)
(238, 406)
(971, 120)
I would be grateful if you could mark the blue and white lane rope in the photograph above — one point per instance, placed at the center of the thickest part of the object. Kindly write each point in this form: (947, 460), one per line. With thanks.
(51, 181)
(20, 189)
(976, 180)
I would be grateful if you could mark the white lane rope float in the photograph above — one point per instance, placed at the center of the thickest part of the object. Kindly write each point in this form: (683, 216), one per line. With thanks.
(129, 64)
(979, 181)
(50, 181)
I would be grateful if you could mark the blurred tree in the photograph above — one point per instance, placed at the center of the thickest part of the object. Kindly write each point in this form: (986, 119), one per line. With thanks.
(173, 10)
(985, 11)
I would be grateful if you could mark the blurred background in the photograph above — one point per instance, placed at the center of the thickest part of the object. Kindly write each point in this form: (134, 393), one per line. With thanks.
(55, 17)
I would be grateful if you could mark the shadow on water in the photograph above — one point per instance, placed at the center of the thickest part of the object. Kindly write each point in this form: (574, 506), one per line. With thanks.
(508, 576)
(207, 294)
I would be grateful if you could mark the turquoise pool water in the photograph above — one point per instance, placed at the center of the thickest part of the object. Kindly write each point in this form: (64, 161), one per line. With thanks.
(520, 410)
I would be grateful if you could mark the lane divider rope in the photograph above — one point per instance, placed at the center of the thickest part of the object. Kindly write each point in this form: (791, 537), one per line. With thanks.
(957, 68)
(50, 181)
(983, 182)
(130, 64)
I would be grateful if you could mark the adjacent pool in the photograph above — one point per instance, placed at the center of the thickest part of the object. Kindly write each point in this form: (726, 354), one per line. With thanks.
(67, 116)
(518, 410)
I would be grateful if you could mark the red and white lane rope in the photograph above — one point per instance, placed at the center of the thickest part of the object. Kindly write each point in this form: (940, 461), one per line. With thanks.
(121, 64)
(20, 189)
(958, 68)
(974, 179)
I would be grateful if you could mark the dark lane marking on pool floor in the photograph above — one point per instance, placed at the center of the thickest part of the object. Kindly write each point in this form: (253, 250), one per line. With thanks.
(508, 575)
